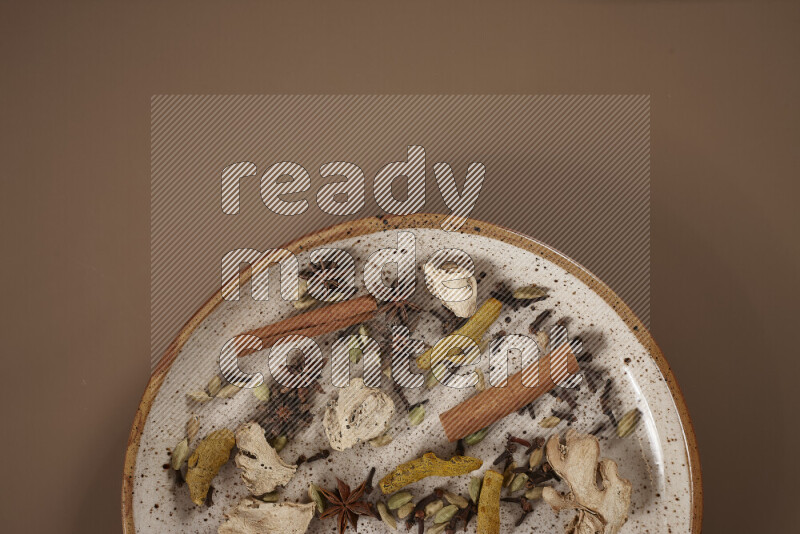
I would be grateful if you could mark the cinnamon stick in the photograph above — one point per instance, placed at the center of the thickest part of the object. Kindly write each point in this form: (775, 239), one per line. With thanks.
(494, 403)
(317, 322)
(324, 328)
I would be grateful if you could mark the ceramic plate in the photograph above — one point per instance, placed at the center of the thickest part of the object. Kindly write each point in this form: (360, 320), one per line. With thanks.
(659, 458)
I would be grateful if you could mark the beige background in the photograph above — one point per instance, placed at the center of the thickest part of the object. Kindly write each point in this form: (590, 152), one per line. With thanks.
(76, 84)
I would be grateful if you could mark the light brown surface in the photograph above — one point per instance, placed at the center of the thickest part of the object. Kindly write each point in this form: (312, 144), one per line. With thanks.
(77, 80)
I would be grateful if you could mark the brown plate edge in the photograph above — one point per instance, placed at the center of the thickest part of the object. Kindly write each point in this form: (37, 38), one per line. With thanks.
(431, 221)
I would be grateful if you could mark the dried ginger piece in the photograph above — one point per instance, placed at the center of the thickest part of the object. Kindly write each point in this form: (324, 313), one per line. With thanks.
(600, 509)
(427, 466)
(262, 468)
(205, 462)
(489, 503)
(448, 280)
(255, 517)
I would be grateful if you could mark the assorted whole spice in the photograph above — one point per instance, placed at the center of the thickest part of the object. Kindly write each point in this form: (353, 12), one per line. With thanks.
(361, 414)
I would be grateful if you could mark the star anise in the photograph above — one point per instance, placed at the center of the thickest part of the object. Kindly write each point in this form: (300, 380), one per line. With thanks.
(401, 312)
(346, 505)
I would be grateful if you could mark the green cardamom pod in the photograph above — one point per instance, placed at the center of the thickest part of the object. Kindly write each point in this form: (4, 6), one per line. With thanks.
(179, 454)
(227, 391)
(199, 396)
(269, 497)
(475, 488)
(354, 349)
(305, 302)
(534, 493)
(536, 458)
(432, 508)
(363, 330)
(399, 499)
(261, 392)
(436, 529)
(381, 441)
(529, 292)
(518, 483)
(279, 443)
(628, 423)
(386, 516)
(476, 437)
(405, 510)
(417, 415)
(431, 381)
(437, 374)
(214, 386)
(316, 496)
(508, 474)
(192, 427)
(458, 500)
(445, 514)
(549, 422)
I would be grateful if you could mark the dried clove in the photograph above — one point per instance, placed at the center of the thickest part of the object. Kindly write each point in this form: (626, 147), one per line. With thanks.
(368, 487)
(596, 431)
(450, 322)
(504, 295)
(541, 318)
(529, 409)
(592, 376)
(518, 441)
(179, 479)
(460, 450)
(401, 395)
(605, 401)
(321, 455)
(537, 443)
(567, 396)
(507, 455)
(525, 504)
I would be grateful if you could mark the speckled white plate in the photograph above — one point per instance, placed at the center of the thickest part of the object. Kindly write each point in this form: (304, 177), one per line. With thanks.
(660, 458)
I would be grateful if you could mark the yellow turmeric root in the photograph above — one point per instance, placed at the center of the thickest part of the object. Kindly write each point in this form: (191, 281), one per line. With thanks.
(489, 503)
(427, 466)
(206, 461)
(474, 330)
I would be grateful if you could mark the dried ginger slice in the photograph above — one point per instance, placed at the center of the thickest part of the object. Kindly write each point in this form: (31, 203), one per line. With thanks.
(255, 517)
(600, 509)
(262, 469)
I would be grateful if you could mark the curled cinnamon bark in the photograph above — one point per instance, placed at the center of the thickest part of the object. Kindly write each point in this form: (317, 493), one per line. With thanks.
(317, 322)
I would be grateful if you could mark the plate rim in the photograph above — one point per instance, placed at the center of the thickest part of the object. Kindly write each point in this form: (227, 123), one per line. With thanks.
(370, 225)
